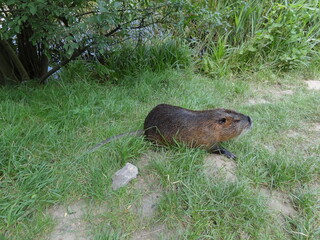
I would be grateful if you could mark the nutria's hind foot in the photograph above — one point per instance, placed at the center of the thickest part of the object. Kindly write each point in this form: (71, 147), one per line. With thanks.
(222, 151)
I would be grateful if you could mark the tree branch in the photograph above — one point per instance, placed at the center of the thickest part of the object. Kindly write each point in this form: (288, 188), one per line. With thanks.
(76, 54)
(85, 13)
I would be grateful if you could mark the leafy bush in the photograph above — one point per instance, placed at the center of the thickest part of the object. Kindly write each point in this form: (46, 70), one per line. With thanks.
(248, 35)
(287, 39)
(154, 56)
(40, 33)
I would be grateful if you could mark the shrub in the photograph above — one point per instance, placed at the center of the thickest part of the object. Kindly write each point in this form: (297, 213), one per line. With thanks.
(249, 35)
(152, 56)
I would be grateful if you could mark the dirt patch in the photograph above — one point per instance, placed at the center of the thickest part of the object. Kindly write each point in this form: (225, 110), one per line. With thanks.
(308, 132)
(149, 204)
(157, 231)
(312, 134)
(313, 84)
(316, 127)
(148, 184)
(151, 194)
(315, 188)
(293, 134)
(279, 202)
(253, 101)
(220, 166)
(70, 224)
(269, 96)
(280, 93)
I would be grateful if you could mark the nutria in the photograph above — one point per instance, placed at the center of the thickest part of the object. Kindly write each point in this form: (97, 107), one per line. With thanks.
(166, 125)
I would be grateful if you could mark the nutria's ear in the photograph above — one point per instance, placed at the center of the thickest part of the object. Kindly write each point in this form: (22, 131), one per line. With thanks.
(222, 120)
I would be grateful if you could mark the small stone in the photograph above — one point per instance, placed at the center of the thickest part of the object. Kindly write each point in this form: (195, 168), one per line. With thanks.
(124, 175)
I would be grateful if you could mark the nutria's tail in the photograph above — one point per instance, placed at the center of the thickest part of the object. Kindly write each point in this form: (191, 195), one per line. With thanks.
(133, 133)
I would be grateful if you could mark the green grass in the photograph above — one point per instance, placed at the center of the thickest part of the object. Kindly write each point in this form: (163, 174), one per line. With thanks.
(45, 131)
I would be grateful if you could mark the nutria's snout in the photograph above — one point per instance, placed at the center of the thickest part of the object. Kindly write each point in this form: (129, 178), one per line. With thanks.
(248, 126)
(250, 123)
(249, 120)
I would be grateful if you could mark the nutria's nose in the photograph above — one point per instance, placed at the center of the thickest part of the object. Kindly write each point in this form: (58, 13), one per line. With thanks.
(249, 120)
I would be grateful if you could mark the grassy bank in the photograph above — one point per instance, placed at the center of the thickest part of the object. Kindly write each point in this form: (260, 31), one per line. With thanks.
(47, 129)
(246, 56)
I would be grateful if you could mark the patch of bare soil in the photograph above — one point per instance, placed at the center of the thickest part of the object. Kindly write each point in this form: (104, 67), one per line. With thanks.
(293, 134)
(69, 222)
(253, 101)
(279, 203)
(316, 127)
(155, 232)
(310, 134)
(280, 93)
(151, 195)
(151, 191)
(313, 84)
(219, 166)
(315, 188)
(269, 95)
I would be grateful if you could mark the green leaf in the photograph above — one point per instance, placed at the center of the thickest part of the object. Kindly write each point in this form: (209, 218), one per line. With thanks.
(276, 25)
(268, 36)
(33, 8)
(10, 2)
(251, 48)
(24, 18)
(16, 29)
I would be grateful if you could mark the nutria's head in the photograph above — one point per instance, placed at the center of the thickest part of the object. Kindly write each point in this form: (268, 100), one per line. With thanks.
(229, 124)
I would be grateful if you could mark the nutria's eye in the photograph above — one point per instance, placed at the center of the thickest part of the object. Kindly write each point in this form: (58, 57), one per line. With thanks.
(222, 121)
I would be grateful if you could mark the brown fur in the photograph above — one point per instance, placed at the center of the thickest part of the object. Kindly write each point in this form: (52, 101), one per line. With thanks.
(167, 124)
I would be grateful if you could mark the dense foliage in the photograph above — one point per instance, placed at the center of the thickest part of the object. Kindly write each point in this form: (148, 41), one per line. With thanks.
(250, 35)
(225, 36)
(40, 33)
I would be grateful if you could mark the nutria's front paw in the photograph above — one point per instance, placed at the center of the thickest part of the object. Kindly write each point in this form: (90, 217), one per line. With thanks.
(229, 154)
(222, 151)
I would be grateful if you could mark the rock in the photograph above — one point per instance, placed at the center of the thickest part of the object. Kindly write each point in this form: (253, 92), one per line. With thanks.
(124, 175)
